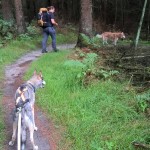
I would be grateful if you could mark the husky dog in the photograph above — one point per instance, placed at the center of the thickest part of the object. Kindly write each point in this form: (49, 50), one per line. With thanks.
(24, 99)
(113, 36)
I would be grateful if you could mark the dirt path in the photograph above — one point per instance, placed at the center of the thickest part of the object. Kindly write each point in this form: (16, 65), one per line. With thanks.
(47, 137)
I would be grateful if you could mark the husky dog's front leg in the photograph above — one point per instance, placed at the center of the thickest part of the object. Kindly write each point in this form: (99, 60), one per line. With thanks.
(35, 147)
(11, 143)
(35, 128)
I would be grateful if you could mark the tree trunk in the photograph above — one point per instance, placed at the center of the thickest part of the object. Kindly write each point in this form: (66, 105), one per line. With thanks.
(122, 13)
(19, 16)
(140, 25)
(116, 11)
(85, 20)
(7, 10)
(148, 23)
(29, 10)
(105, 12)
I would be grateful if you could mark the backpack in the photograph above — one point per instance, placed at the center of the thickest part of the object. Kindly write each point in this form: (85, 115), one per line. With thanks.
(40, 20)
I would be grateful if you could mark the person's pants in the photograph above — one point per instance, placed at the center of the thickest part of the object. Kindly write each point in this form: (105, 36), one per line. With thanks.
(46, 32)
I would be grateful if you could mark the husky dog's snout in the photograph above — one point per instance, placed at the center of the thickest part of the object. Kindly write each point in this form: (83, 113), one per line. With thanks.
(43, 83)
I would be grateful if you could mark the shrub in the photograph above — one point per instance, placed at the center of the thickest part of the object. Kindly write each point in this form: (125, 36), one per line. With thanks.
(7, 31)
(143, 101)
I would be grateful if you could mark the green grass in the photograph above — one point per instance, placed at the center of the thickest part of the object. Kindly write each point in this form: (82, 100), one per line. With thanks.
(13, 51)
(69, 38)
(102, 116)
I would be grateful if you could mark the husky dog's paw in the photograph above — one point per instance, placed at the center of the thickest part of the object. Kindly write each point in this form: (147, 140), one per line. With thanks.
(35, 128)
(11, 143)
(35, 148)
(23, 146)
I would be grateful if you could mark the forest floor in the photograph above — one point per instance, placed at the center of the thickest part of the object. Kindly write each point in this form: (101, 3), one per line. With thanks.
(47, 137)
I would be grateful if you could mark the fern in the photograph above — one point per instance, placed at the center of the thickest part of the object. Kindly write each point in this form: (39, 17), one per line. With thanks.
(106, 73)
(143, 101)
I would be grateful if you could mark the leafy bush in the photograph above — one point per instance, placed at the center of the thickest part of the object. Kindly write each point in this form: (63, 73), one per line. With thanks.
(81, 69)
(93, 42)
(76, 71)
(7, 31)
(143, 101)
(90, 59)
(85, 40)
(105, 74)
(32, 30)
(24, 36)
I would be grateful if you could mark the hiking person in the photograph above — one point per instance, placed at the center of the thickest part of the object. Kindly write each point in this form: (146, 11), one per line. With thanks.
(48, 22)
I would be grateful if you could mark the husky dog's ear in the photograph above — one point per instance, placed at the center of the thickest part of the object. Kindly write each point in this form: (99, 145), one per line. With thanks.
(35, 72)
(40, 73)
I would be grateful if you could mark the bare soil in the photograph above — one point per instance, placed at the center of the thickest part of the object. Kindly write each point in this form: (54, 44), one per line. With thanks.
(47, 137)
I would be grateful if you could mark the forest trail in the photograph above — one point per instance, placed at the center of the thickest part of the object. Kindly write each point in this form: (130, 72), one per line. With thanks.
(47, 137)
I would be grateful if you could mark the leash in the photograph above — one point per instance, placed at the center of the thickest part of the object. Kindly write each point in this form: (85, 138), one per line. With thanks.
(20, 101)
(19, 129)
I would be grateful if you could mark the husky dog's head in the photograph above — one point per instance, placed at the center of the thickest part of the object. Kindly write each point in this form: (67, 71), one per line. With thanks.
(37, 80)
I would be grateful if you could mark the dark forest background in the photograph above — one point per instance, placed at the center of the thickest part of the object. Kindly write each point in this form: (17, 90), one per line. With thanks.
(108, 15)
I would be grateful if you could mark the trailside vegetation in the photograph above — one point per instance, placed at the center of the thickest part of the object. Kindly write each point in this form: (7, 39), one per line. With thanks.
(96, 109)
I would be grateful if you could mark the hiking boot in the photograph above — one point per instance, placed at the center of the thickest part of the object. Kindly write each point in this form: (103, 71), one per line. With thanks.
(44, 51)
(56, 50)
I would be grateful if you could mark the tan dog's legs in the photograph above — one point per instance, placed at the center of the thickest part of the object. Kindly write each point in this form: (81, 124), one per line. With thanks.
(11, 143)
(115, 41)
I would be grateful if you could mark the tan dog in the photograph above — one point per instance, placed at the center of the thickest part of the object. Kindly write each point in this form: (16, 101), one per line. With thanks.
(113, 36)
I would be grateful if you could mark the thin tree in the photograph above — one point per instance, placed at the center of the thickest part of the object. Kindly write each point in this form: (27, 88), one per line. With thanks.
(140, 24)
(7, 10)
(19, 16)
(85, 20)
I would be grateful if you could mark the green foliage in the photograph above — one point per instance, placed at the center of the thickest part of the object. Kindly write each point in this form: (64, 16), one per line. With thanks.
(24, 36)
(9, 36)
(90, 60)
(68, 37)
(143, 101)
(7, 31)
(93, 42)
(85, 40)
(106, 73)
(32, 30)
(80, 69)
(81, 55)
(76, 71)
(96, 42)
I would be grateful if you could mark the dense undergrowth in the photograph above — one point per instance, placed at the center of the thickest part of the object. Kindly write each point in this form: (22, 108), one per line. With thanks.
(97, 115)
